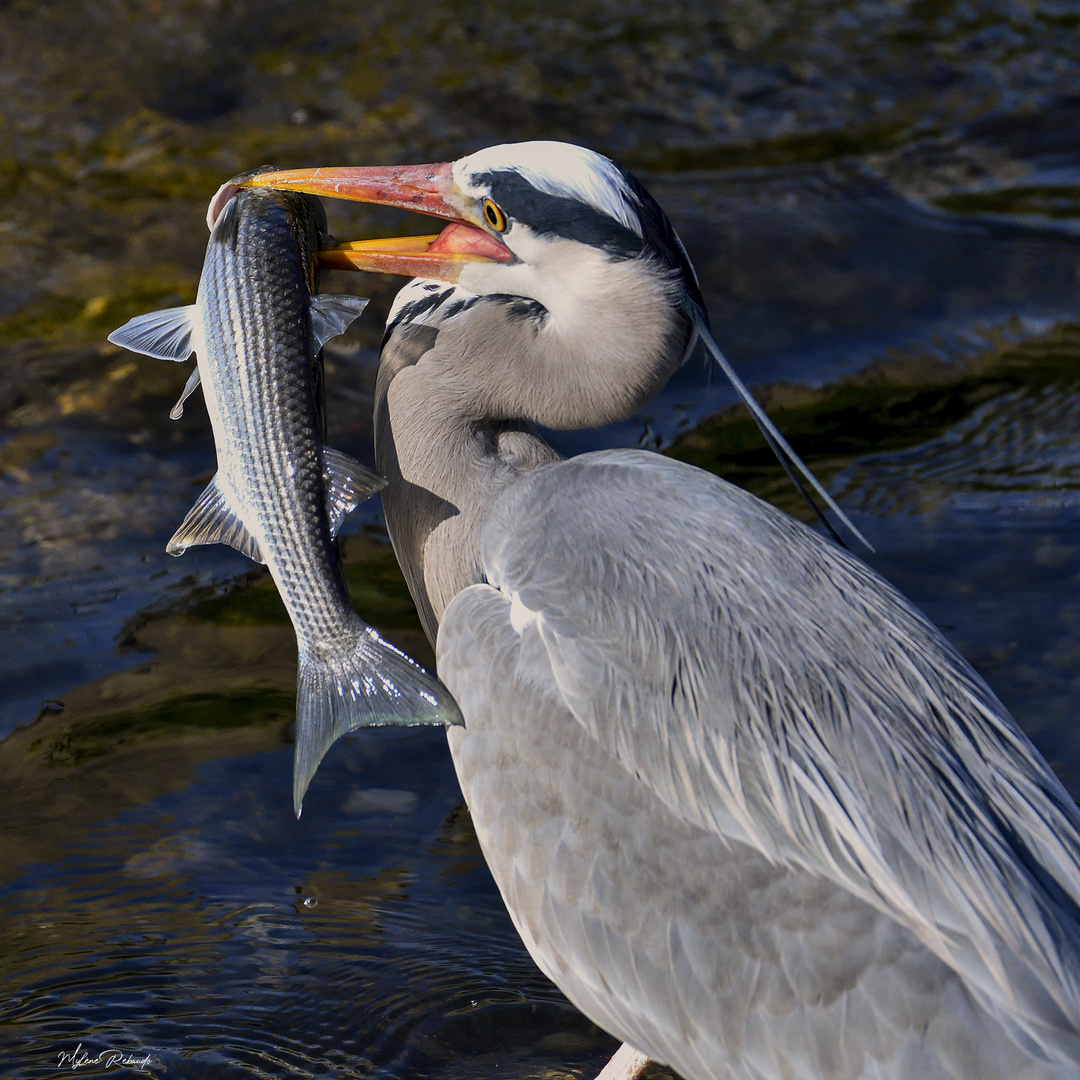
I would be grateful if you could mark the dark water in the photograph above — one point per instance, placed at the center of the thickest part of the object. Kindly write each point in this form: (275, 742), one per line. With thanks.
(883, 202)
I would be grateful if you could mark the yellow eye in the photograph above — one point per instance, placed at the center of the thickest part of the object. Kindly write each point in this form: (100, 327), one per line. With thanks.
(494, 216)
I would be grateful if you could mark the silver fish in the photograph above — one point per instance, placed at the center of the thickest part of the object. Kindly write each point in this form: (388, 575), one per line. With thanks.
(280, 495)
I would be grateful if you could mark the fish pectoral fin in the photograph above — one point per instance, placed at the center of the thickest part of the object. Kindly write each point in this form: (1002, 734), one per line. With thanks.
(332, 315)
(164, 335)
(189, 388)
(212, 521)
(348, 484)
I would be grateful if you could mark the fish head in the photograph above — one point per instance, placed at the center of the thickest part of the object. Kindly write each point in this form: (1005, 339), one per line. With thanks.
(305, 213)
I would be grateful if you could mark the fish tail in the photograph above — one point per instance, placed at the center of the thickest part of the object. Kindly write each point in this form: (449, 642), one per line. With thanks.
(362, 683)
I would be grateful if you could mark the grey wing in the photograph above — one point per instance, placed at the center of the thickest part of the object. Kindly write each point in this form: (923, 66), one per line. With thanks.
(698, 951)
(771, 689)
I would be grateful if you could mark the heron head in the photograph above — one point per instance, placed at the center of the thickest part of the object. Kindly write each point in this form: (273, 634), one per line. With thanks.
(525, 219)
(573, 297)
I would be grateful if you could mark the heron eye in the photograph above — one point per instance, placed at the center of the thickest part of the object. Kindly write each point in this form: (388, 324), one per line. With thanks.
(494, 216)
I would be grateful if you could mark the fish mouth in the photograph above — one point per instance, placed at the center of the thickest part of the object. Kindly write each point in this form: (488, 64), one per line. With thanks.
(425, 189)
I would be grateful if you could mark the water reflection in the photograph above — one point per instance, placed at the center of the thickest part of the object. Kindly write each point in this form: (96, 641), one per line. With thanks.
(811, 273)
(1016, 452)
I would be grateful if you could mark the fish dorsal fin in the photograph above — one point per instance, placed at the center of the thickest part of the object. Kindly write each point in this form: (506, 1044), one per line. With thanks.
(332, 315)
(212, 521)
(348, 484)
(189, 388)
(165, 334)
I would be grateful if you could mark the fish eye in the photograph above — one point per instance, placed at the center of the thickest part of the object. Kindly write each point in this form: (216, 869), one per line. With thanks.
(494, 216)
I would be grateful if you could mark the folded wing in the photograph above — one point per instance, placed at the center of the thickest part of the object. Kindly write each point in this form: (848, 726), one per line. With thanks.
(773, 690)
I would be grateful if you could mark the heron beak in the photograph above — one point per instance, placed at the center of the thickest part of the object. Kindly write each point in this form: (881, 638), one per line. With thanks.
(442, 257)
(426, 189)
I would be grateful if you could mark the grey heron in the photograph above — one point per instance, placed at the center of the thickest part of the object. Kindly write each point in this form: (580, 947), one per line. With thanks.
(747, 807)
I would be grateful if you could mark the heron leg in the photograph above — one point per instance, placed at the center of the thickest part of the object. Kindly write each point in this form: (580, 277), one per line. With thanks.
(626, 1064)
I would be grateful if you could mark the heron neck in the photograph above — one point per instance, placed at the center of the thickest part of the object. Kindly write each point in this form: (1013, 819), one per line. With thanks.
(444, 467)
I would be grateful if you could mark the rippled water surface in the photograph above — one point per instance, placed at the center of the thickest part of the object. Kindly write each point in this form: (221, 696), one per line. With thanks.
(883, 202)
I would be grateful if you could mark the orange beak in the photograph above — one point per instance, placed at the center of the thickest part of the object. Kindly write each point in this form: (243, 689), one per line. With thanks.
(427, 189)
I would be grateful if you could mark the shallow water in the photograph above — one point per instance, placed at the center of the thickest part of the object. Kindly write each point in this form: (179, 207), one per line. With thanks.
(882, 203)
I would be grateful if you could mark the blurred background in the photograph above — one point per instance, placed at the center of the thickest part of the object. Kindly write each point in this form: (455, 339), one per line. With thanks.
(882, 198)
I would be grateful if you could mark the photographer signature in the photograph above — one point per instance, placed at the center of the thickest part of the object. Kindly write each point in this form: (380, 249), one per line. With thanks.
(80, 1058)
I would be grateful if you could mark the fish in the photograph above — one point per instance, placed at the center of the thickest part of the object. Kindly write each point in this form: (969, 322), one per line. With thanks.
(257, 328)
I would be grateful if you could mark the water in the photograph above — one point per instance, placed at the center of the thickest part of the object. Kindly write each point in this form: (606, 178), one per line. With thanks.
(209, 926)
(882, 202)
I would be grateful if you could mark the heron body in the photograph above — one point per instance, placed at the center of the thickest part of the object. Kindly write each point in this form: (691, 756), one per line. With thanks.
(746, 806)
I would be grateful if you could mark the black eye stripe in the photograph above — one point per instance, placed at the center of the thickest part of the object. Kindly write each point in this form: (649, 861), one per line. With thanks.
(558, 215)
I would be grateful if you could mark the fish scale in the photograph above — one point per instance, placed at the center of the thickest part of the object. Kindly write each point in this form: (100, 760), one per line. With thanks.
(279, 494)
